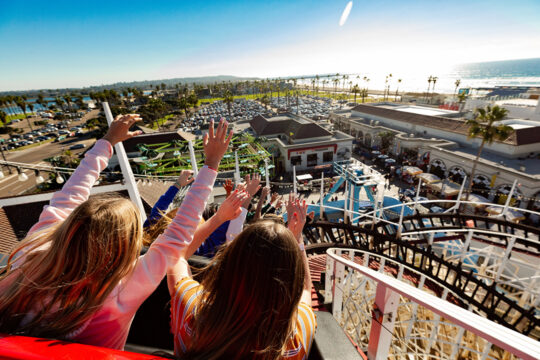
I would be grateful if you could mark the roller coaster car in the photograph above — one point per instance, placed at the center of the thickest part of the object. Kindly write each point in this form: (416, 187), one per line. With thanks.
(30, 348)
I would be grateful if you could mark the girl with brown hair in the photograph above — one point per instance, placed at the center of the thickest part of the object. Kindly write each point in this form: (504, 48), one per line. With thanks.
(254, 301)
(78, 275)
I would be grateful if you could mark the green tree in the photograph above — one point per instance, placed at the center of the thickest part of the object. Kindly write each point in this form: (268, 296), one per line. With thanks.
(387, 138)
(21, 102)
(265, 101)
(228, 99)
(59, 102)
(486, 125)
(355, 90)
(462, 97)
(457, 83)
(67, 99)
(3, 118)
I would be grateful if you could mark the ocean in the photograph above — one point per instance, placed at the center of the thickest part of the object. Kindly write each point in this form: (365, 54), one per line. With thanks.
(522, 72)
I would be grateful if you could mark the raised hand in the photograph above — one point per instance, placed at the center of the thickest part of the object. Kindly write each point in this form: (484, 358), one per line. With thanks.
(185, 178)
(119, 128)
(264, 193)
(231, 207)
(297, 219)
(215, 143)
(228, 186)
(274, 197)
(253, 183)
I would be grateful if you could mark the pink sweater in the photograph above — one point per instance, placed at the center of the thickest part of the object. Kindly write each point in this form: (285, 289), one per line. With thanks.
(110, 324)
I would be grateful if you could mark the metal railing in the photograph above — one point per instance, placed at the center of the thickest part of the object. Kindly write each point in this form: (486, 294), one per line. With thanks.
(392, 315)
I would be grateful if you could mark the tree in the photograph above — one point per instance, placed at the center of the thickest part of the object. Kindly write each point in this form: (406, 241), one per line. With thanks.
(486, 125)
(355, 90)
(67, 99)
(228, 99)
(397, 89)
(462, 97)
(21, 102)
(3, 118)
(265, 101)
(59, 102)
(434, 79)
(387, 137)
(430, 79)
(457, 83)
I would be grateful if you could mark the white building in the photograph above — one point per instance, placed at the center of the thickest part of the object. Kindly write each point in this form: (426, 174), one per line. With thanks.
(441, 136)
(298, 141)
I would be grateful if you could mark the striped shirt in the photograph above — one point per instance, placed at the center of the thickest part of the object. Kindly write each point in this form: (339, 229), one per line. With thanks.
(187, 296)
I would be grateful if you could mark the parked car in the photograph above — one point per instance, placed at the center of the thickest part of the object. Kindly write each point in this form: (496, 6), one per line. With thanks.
(77, 146)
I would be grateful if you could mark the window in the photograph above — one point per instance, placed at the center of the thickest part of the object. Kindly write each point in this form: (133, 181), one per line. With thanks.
(296, 160)
(312, 160)
(328, 156)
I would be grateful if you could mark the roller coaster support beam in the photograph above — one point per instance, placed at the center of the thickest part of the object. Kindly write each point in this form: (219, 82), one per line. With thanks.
(456, 206)
(382, 322)
(132, 189)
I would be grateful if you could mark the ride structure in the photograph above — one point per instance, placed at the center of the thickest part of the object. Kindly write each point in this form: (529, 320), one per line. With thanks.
(168, 159)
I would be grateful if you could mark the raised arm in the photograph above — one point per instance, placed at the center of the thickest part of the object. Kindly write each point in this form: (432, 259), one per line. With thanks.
(165, 200)
(77, 189)
(296, 216)
(170, 246)
(229, 210)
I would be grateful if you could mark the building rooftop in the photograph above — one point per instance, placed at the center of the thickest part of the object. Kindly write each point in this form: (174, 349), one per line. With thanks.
(299, 128)
(421, 110)
(521, 136)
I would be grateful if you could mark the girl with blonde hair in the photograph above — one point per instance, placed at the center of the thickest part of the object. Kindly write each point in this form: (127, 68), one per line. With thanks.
(254, 301)
(78, 275)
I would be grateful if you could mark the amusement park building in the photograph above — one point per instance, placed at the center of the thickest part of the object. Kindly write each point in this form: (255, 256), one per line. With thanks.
(298, 141)
(440, 136)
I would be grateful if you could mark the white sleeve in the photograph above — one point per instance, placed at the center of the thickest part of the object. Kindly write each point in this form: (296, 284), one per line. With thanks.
(236, 225)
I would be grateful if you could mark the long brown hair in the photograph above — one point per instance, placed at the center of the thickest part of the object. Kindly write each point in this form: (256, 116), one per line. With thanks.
(69, 269)
(250, 298)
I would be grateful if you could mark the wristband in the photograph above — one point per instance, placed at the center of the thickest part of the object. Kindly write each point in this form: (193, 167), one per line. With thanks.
(177, 184)
(211, 168)
(301, 246)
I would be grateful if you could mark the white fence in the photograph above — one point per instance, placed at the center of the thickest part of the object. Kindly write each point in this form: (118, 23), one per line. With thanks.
(393, 315)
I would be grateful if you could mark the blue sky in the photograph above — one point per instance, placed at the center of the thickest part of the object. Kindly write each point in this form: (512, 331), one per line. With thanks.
(72, 43)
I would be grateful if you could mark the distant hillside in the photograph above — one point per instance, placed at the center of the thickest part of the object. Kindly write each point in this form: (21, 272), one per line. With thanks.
(139, 84)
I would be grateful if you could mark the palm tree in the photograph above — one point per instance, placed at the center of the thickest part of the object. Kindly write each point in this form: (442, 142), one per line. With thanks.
(355, 90)
(486, 125)
(59, 102)
(430, 79)
(363, 94)
(67, 99)
(228, 99)
(265, 101)
(457, 83)
(397, 89)
(21, 102)
(317, 77)
(336, 81)
(461, 99)
(434, 79)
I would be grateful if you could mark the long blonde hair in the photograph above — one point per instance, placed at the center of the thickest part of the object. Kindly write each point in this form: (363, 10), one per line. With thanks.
(251, 294)
(68, 270)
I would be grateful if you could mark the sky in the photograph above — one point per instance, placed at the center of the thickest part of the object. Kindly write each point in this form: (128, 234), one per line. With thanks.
(59, 44)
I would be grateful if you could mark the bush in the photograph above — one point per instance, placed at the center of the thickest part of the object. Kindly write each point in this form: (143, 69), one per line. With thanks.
(6, 130)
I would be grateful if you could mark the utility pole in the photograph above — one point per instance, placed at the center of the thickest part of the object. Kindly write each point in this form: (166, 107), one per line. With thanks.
(3, 155)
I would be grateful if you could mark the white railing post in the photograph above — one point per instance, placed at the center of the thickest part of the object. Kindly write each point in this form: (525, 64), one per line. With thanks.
(193, 159)
(267, 176)
(131, 185)
(509, 198)
(237, 177)
(417, 195)
(294, 178)
(329, 279)
(337, 303)
(382, 322)
(321, 208)
(400, 224)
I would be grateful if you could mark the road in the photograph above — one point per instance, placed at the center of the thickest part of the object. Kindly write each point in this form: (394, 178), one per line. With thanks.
(11, 186)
